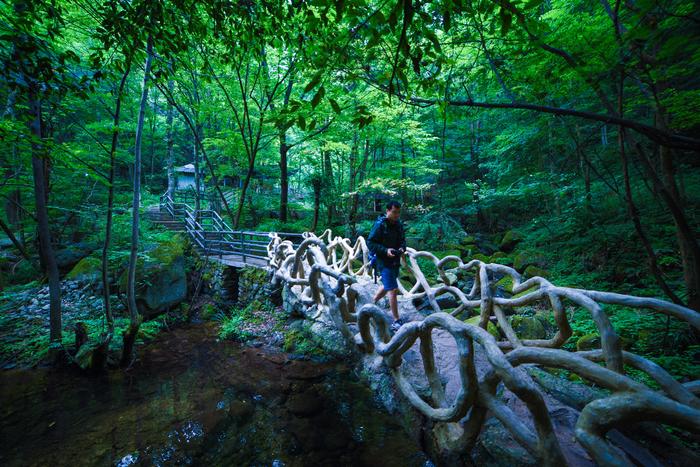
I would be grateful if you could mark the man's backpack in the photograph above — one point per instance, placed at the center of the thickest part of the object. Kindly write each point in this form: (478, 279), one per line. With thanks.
(373, 263)
(373, 267)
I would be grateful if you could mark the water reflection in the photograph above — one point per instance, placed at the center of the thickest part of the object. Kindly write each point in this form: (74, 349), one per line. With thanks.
(192, 400)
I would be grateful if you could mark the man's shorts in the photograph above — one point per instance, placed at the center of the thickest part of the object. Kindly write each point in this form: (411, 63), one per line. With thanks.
(390, 278)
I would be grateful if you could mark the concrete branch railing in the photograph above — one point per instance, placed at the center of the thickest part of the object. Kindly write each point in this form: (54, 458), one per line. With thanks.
(322, 269)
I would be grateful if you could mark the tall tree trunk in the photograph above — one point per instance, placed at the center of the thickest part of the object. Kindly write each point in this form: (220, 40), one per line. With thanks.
(474, 151)
(284, 151)
(404, 191)
(153, 133)
(46, 253)
(330, 187)
(14, 199)
(170, 143)
(636, 221)
(99, 357)
(241, 200)
(632, 208)
(284, 176)
(585, 171)
(197, 174)
(316, 183)
(135, 317)
(352, 218)
(363, 165)
(686, 238)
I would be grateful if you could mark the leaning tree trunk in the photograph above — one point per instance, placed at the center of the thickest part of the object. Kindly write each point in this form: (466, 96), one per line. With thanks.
(685, 236)
(6, 228)
(46, 253)
(135, 318)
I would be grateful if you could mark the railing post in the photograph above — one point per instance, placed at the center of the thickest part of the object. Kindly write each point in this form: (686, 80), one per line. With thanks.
(243, 247)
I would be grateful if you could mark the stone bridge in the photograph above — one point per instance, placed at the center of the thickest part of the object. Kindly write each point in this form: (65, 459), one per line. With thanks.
(479, 393)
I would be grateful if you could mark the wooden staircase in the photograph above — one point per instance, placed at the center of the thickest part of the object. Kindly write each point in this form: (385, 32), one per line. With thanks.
(155, 215)
(210, 234)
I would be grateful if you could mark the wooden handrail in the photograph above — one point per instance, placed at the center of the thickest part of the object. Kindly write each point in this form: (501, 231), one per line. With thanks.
(212, 234)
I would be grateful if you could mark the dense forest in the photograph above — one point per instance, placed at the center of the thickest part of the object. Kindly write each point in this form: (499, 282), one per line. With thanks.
(559, 137)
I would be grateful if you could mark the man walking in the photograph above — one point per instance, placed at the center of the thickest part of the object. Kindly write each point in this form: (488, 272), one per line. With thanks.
(387, 241)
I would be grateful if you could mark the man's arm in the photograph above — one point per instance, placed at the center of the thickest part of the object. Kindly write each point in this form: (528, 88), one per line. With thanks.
(374, 241)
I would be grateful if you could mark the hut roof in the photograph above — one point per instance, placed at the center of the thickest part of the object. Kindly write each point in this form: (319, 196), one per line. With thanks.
(188, 168)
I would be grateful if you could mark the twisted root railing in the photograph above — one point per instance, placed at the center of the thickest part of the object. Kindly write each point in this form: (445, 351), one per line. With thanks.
(322, 269)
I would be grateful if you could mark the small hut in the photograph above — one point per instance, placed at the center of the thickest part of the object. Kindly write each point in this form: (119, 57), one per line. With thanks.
(185, 177)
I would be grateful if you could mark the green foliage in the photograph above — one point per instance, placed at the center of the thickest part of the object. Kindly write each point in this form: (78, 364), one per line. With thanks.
(435, 229)
(458, 168)
(275, 225)
(233, 325)
(302, 341)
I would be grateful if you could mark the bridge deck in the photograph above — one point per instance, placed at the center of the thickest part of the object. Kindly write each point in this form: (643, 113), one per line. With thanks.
(211, 235)
(239, 261)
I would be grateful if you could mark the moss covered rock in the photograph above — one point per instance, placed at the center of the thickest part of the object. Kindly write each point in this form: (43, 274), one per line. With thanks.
(443, 253)
(491, 328)
(506, 283)
(528, 327)
(533, 271)
(525, 292)
(588, 342)
(161, 278)
(528, 258)
(451, 278)
(510, 240)
(501, 258)
(468, 240)
(481, 257)
(88, 269)
(68, 257)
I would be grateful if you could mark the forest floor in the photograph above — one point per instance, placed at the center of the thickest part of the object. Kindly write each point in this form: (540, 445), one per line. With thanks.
(24, 321)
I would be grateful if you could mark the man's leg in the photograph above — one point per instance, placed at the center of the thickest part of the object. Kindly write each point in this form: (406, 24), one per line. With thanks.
(381, 291)
(393, 303)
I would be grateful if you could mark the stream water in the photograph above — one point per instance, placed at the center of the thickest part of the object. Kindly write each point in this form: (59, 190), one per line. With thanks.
(192, 400)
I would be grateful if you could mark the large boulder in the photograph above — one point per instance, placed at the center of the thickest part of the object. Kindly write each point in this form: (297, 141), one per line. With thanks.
(502, 258)
(510, 240)
(529, 258)
(588, 342)
(534, 271)
(68, 257)
(529, 327)
(161, 278)
(491, 328)
(88, 269)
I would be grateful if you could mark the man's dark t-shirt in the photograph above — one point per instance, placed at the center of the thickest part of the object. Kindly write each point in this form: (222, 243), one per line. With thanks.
(386, 234)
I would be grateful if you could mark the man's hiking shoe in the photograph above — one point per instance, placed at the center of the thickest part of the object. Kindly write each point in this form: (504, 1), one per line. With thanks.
(397, 324)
